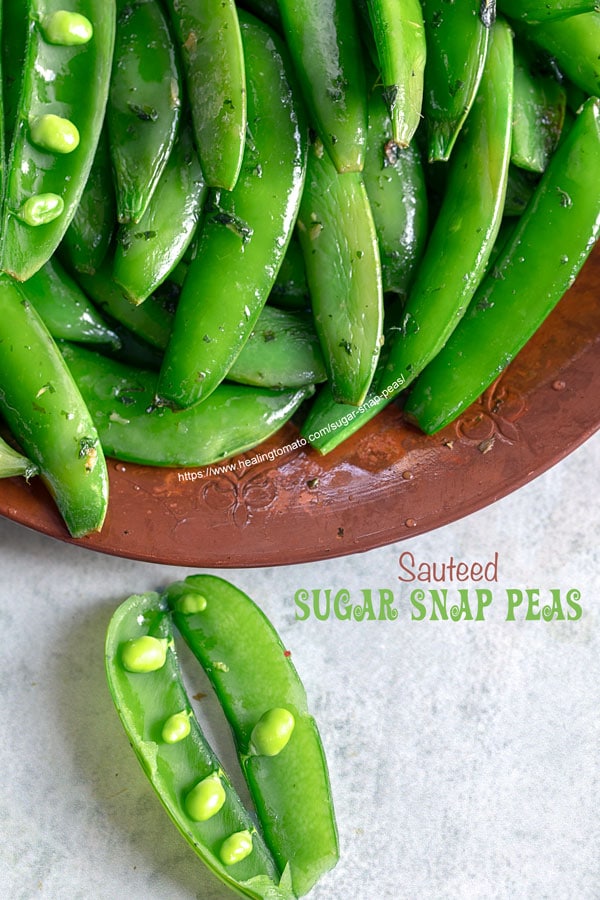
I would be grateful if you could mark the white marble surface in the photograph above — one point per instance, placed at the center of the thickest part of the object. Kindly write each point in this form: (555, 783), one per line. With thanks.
(463, 755)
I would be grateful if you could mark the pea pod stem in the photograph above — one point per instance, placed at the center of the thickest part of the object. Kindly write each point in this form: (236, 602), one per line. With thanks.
(13, 463)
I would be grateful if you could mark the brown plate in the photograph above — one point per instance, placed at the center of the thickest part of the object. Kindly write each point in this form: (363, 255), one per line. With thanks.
(387, 483)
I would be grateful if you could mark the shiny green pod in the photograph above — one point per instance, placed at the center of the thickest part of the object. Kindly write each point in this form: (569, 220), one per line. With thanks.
(66, 76)
(253, 676)
(343, 270)
(574, 43)
(290, 290)
(210, 42)
(539, 262)
(457, 37)
(122, 402)
(144, 104)
(540, 103)
(13, 463)
(465, 229)
(325, 45)
(535, 12)
(47, 415)
(399, 34)
(146, 685)
(244, 233)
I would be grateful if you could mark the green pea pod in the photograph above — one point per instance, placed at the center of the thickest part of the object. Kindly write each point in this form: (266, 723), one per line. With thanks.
(144, 104)
(210, 42)
(61, 110)
(244, 235)
(146, 253)
(65, 309)
(290, 290)
(283, 351)
(399, 35)
(343, 269)
(88, 237)
(14, 28)
(519, 190)
(539, 114)
(324, 42)
(13, 463)
(267, 10)
(464, 232)
(256, 682)
(457, 37)
(147, 688)
(573, 43)
(121, 399)
(540, 261)
(47, 415)
(534, 12)
(397, 193)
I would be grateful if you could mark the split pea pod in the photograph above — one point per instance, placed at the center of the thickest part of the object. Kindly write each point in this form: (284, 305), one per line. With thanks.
(210, 43)
(464, 232)
(245, 232)
(343, 270)
(146, 685)
(324, 42)
(47, 415)
(457, 37)
(278, 742)
(13, 463)
(539, 262)
(121, 399)
(60, 115)
(399, 35)
(144, 104)
(535, 12)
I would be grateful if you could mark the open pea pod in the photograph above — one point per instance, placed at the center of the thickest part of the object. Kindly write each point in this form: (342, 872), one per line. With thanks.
(147, 688)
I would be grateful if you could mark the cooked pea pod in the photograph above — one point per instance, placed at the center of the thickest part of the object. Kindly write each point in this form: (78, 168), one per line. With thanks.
(46, 414)
(14, 463)
(146, 684)
(210, 43)
(245, 232)
(290, 290)
(539, 113)
(464, 232)
(61, 110)
(144, 104)
(343, 270)
(324, 42)
(265, 703)
(534, 12)
(132, 427)
(540, 261)
(399, 35)
(457, 37)
(573, 43)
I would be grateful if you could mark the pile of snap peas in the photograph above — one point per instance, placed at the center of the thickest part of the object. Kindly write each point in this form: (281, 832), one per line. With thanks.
(278, 743)
(217, 216)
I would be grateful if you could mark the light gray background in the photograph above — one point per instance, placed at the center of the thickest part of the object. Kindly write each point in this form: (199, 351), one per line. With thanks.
(463, 755)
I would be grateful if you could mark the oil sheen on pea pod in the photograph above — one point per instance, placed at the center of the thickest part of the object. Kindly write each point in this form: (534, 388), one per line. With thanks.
(324, 41)
(245, 232)
(463, 235)
(457, 37)
(539, 113)
(146, 684)
(121, 400)
(46, 413)
(399, 35)
(539, 262)
(535, 12)
(255, 679)
(397, 193)
(146, 253)
(61, 110)
(343, 270)
(144, 104)
(210, 43)
(573, 42)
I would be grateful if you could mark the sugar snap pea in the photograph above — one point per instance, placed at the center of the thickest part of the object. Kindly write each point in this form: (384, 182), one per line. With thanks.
(244, 232)
(210, 43)
(144, 104)
(290, 290)
(46, 414)
(536, 11)
(63, 94)
(14, 463)
(539, 112)
(573, 42)
(278, 742)
(540, 261)
(146, 684)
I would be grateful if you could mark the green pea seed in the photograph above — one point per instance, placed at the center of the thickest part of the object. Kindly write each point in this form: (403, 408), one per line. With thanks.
(236, 847)
(144, 654)
(41, 209)
(54, 133)
(67, 29)
(272, 732)
(176, 728)
(205, 799)
(191, 603)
